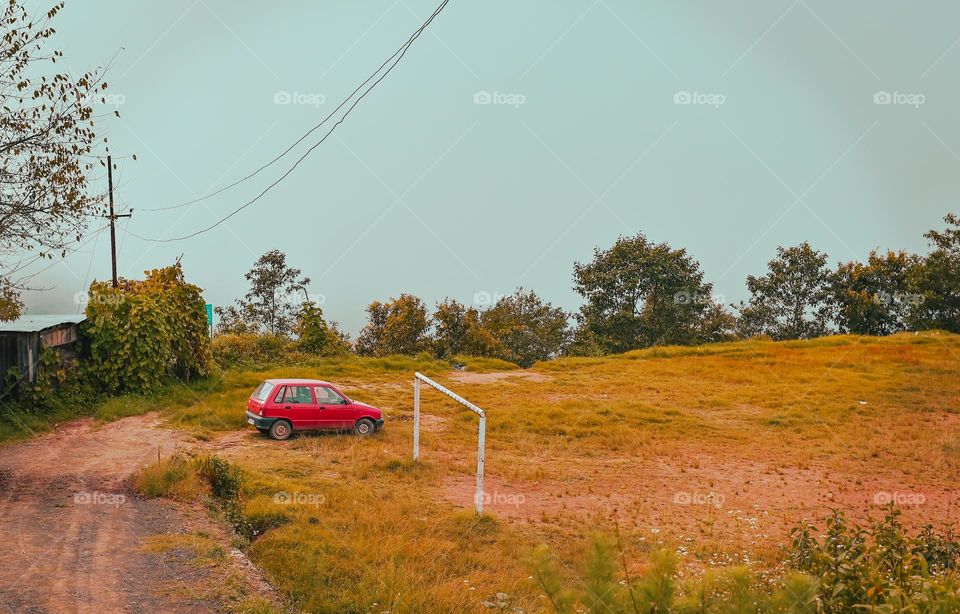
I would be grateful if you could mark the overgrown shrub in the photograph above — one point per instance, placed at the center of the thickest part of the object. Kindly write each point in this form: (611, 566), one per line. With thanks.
(248, 350)
(226, 483)
(848, 569)
(60, 385)
(880, 568)
(144, 332)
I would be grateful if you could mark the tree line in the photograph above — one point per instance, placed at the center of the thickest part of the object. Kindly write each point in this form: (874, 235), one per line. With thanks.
(636, 294)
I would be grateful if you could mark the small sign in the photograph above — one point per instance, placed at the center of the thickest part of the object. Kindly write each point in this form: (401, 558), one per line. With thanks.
(209, 308)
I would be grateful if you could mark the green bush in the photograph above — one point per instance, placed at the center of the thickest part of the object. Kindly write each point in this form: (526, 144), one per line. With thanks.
(144, 332)
(226, 486)
(848, 569)
(880, 568)
(60, 384)
(248, 350)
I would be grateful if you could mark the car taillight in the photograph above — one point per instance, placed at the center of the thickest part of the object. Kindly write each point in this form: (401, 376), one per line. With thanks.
(261, 411)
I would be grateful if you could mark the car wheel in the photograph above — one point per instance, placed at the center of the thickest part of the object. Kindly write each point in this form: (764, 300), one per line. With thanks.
(280, 430)
(363, 427)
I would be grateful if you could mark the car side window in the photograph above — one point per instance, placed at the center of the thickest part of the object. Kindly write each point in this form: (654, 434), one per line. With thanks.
(298, 395)
(326, 396)
(279, 397)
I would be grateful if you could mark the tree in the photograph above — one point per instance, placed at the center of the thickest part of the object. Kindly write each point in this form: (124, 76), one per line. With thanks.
(271, 305)
(791, 300)
(936, 281)
(641, 294)
(314, 335)
(527, 328)
(47, 139)
(235, 320)
(400, 326)
(873, 298)
(459, 331)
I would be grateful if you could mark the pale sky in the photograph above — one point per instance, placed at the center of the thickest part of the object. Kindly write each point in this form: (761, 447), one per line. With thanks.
(423, 190)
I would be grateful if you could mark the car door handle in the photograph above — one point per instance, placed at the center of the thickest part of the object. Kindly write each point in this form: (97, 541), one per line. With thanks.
(286, 407)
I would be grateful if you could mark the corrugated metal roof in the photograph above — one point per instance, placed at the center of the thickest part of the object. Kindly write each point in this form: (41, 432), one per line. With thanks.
(33, 324)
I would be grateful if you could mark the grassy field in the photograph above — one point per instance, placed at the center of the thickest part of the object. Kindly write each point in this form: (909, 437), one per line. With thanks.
(714, 452)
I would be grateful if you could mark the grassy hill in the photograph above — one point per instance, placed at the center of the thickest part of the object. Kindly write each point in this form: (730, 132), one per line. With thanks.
(713, 451)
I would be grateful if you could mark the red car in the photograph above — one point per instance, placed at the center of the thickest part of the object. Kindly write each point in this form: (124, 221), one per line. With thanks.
(281, 406)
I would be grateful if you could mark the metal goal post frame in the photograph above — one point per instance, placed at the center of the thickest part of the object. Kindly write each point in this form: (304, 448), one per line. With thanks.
(481, 431)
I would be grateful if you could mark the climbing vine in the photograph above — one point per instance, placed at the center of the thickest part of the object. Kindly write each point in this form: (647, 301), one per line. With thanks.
(144, 332)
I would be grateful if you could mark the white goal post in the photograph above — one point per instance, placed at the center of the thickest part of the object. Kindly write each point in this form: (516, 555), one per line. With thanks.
(481, 434)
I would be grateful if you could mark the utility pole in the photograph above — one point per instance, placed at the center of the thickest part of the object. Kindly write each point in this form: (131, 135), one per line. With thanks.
(113, 217)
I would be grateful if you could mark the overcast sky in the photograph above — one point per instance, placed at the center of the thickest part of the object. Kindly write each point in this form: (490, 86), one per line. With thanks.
(515, 137)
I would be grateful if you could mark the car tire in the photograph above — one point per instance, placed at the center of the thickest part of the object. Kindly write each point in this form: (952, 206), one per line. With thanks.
(364, 427)
(281, 430)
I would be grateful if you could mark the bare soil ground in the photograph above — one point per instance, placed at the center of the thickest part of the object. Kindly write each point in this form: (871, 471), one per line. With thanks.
(741, 502)
(75, 531)
(743, 497)
(471, 377)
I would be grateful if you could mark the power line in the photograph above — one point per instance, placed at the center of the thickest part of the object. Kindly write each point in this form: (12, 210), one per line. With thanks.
(401, 51)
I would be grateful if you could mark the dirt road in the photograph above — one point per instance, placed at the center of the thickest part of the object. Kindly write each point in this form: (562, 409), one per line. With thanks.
(74, 532)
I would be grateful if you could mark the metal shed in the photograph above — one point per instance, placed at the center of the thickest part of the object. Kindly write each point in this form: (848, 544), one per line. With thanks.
(21, 341)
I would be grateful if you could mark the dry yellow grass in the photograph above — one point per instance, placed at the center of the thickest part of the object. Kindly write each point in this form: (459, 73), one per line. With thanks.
(714, 451)
(172, 476)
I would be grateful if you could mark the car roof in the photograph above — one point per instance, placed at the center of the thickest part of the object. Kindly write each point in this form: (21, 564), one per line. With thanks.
(301, 382)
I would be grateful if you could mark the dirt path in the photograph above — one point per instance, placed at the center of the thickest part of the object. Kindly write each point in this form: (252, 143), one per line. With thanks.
(74, 532)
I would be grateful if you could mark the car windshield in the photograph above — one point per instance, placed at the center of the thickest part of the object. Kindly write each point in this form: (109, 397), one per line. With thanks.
(262, 393)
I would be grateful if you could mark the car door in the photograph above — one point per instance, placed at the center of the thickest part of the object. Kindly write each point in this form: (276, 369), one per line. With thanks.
(335, 411)
(297, 404)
